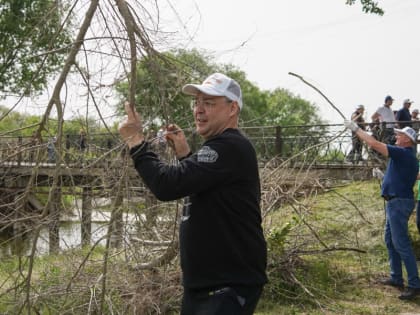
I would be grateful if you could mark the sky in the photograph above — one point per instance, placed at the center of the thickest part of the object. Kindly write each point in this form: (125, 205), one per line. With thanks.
(352, 57)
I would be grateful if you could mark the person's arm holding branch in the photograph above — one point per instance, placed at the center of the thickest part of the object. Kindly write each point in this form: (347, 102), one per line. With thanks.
(367, 138)
(131, 129)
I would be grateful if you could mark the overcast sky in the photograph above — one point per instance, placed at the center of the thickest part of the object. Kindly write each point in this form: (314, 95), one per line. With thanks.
(352, 57)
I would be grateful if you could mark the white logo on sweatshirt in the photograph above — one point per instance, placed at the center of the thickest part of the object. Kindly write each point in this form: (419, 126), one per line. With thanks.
(207, 155)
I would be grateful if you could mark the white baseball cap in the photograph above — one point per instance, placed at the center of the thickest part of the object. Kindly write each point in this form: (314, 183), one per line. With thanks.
(408, 101)
(217, 84)
(409, 132)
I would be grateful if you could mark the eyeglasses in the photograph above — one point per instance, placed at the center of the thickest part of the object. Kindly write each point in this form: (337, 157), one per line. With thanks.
(207, 103)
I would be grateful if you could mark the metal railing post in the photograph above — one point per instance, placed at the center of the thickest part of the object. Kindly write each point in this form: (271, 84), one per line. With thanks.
(278, 141)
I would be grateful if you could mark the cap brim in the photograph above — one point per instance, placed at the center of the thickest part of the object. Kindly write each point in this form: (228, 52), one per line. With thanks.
(194, 89)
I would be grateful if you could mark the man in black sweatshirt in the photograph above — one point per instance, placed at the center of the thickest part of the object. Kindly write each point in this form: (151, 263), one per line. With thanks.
(223, 250)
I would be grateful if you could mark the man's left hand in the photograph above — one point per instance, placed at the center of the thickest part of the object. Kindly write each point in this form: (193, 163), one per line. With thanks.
(177, 141)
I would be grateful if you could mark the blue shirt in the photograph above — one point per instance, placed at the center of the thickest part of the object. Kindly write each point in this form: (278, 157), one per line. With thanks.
(401, 172)
(404, 115)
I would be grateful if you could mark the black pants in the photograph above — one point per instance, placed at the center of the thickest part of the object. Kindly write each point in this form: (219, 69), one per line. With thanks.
(355, 153)
(232, 300)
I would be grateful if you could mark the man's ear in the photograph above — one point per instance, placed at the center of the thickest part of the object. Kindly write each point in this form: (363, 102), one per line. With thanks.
(234, 110)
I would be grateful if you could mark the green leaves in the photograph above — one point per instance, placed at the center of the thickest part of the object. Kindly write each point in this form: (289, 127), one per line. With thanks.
(159, 81)
(159, 99)
(29, 31)
(368, 6)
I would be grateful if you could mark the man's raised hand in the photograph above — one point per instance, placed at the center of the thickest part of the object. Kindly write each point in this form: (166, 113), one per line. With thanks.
(350, 124)
(130, 128)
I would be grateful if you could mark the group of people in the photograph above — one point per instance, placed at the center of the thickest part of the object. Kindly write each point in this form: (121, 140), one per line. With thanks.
(394, 136)
(222, 247)
(384, 120)
(397, 190)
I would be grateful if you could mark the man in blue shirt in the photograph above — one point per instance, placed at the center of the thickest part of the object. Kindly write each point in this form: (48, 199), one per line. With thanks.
(403, 116)
(397, 190)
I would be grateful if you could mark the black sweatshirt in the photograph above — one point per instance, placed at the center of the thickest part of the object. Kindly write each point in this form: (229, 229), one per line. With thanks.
(221, 237)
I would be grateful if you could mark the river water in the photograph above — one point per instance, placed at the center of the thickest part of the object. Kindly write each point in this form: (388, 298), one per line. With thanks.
(69, 234)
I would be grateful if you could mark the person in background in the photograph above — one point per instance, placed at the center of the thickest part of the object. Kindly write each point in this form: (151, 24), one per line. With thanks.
(223, 250)
(375, 128)
(33, 143)
(418, 204)
(397, 190)
(415, 120)
(82, 141)
(68, 143)
(51, 149)
(415, 124)
(355, 154)
(387, 120)
(403, 116)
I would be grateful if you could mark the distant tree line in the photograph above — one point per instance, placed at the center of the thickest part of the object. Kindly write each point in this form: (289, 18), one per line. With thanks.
(160, 101)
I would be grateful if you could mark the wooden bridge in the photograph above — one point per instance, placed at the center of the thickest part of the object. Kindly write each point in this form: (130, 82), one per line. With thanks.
(31, 168)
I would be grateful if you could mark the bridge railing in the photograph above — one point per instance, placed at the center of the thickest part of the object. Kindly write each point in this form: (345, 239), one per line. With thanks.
(19, 150)
(302, 143)
(322, 144)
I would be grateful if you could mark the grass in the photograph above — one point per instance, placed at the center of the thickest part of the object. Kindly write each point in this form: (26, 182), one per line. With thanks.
(336, 281)
(316, 266)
